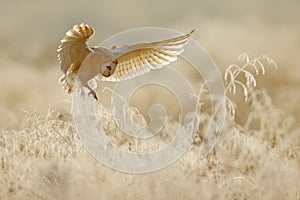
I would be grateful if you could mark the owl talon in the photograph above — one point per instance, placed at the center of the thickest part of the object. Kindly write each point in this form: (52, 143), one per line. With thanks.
(93, 93)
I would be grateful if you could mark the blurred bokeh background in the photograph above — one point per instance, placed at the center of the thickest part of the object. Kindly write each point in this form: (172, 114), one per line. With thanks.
(31, 31)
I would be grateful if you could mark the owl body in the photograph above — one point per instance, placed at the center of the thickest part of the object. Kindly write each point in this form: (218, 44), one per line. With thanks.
(96, 64)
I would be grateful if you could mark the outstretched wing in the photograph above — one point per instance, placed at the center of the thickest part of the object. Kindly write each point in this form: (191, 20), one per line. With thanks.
(137, 59)
(73, 49)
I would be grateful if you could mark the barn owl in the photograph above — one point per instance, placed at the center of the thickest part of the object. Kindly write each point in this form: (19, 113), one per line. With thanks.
(78, 60)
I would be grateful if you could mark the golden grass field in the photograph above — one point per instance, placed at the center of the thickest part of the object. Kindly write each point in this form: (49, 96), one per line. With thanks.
(257, 156)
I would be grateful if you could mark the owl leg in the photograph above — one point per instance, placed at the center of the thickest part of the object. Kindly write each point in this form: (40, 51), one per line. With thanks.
(82, 93)
(92, 92)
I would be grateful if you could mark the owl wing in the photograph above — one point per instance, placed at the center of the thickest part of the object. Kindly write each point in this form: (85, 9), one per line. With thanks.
(72, 52)
(73, 48)
(137, 59)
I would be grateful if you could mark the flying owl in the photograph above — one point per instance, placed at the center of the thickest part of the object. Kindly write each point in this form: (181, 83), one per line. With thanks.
(78, 60)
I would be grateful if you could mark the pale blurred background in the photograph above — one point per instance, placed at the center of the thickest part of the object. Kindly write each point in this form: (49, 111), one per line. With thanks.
(31, 31)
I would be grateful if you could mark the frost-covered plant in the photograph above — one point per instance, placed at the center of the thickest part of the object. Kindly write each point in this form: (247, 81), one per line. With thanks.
(46, 160)
(233, 72)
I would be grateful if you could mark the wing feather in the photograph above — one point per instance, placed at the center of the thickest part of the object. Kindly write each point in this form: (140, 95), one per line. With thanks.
(73, 48)
(137, 59)
(72, 52)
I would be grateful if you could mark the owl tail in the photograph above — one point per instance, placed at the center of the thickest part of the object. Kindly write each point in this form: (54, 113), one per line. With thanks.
(67, 82)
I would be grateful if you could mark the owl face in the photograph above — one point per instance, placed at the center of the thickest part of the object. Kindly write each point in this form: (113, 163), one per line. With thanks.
(108, 68)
